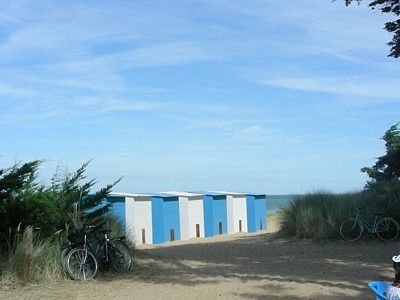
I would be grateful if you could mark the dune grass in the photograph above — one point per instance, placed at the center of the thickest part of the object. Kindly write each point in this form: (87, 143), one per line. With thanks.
(318, 215)
(30, 259)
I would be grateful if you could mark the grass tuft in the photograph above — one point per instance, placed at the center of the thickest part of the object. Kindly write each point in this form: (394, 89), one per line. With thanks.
(30, 259)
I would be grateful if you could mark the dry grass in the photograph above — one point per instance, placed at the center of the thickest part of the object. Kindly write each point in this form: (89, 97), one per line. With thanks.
(30, 260)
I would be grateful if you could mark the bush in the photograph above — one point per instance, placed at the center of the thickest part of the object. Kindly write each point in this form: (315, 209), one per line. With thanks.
(318, 215)
(67, 204)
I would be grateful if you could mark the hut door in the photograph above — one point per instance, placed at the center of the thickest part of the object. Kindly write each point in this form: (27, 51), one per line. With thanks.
(172, 234)
(197, 230)
(260, 224)
(220, 227)
(240, 225)
(143, 236)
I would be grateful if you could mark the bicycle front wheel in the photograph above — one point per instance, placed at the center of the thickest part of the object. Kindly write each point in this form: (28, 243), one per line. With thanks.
(81, 264)
(121, 259)
(351, 230)
(387, 229)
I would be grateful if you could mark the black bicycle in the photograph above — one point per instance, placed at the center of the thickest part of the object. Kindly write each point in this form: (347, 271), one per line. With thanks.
(82, 256)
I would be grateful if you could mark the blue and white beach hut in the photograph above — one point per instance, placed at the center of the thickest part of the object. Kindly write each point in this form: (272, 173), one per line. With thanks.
(256, 212)
(215, 214)
(236, 205)
(165, 218)
(191, 214)
(135, 214)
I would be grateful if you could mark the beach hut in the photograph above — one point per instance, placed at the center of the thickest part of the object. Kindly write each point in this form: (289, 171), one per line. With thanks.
(236, 205)
(215, 214)
(135, 214)
(191, 214)
(165, 218)
(256, 212)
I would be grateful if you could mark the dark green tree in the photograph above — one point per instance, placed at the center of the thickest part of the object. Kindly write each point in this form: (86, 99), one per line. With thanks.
(68, 202)
(387, 167)
(389, 7)
(13, 182)
(75, 204)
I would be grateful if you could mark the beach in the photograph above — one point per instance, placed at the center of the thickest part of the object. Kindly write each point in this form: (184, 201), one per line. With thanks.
(239, 266)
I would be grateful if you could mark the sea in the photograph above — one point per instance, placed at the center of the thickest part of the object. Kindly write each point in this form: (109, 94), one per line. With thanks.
(276, 202)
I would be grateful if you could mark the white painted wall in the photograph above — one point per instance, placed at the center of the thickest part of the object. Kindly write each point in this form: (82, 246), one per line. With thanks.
(184, 217)
(229, 214)
(143, 219)
(196, 215)
(138, 216)
(130, 218)
(236, 210)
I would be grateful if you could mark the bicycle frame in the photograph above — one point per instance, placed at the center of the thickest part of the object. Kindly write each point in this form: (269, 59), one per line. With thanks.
(370, 228)
(102, 249)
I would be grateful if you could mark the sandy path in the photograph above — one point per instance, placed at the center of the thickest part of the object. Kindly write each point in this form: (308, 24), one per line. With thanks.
(238, 267)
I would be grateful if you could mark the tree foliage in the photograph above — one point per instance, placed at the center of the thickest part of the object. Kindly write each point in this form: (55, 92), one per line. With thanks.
(389, 7)
(13, 182)
(387, 167)
(68, 202)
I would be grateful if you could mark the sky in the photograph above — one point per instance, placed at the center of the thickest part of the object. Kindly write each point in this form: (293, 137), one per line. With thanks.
(271, 97)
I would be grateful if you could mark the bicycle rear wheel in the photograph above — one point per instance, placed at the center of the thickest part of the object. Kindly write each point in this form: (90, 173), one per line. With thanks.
(351, 230)
(387, 229)
(63, 257)
(121, 259)
(81, 264)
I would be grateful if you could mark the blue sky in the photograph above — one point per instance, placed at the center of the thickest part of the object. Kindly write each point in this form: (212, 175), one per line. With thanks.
(263, 96)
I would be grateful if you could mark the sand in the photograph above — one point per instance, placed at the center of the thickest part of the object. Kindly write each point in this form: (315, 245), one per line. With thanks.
(241, 266)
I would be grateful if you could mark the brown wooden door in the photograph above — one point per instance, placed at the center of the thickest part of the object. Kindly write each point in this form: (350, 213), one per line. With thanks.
(143, 236)
(197, 230)
(240, 225)
(172, 234)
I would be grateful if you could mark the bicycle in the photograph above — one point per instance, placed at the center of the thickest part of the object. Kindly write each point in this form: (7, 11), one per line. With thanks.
(385, 228)
(112, 253)
(80, 262)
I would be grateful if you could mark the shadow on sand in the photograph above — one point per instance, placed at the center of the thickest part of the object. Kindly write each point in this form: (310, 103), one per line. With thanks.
(271, 264)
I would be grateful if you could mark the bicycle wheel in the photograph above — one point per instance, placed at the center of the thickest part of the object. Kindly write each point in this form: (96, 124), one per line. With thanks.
(120, 255)
(387, 229)
(63, 257)
(351, 230)
(81, 264)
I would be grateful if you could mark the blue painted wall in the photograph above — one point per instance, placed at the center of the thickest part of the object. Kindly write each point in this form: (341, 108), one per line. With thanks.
(214, 212)
(157, 220)
(256, 212)
(165, 216)
(118, 208)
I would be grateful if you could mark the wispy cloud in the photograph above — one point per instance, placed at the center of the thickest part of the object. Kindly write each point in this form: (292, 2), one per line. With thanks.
(346, 86)
(113, 105)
